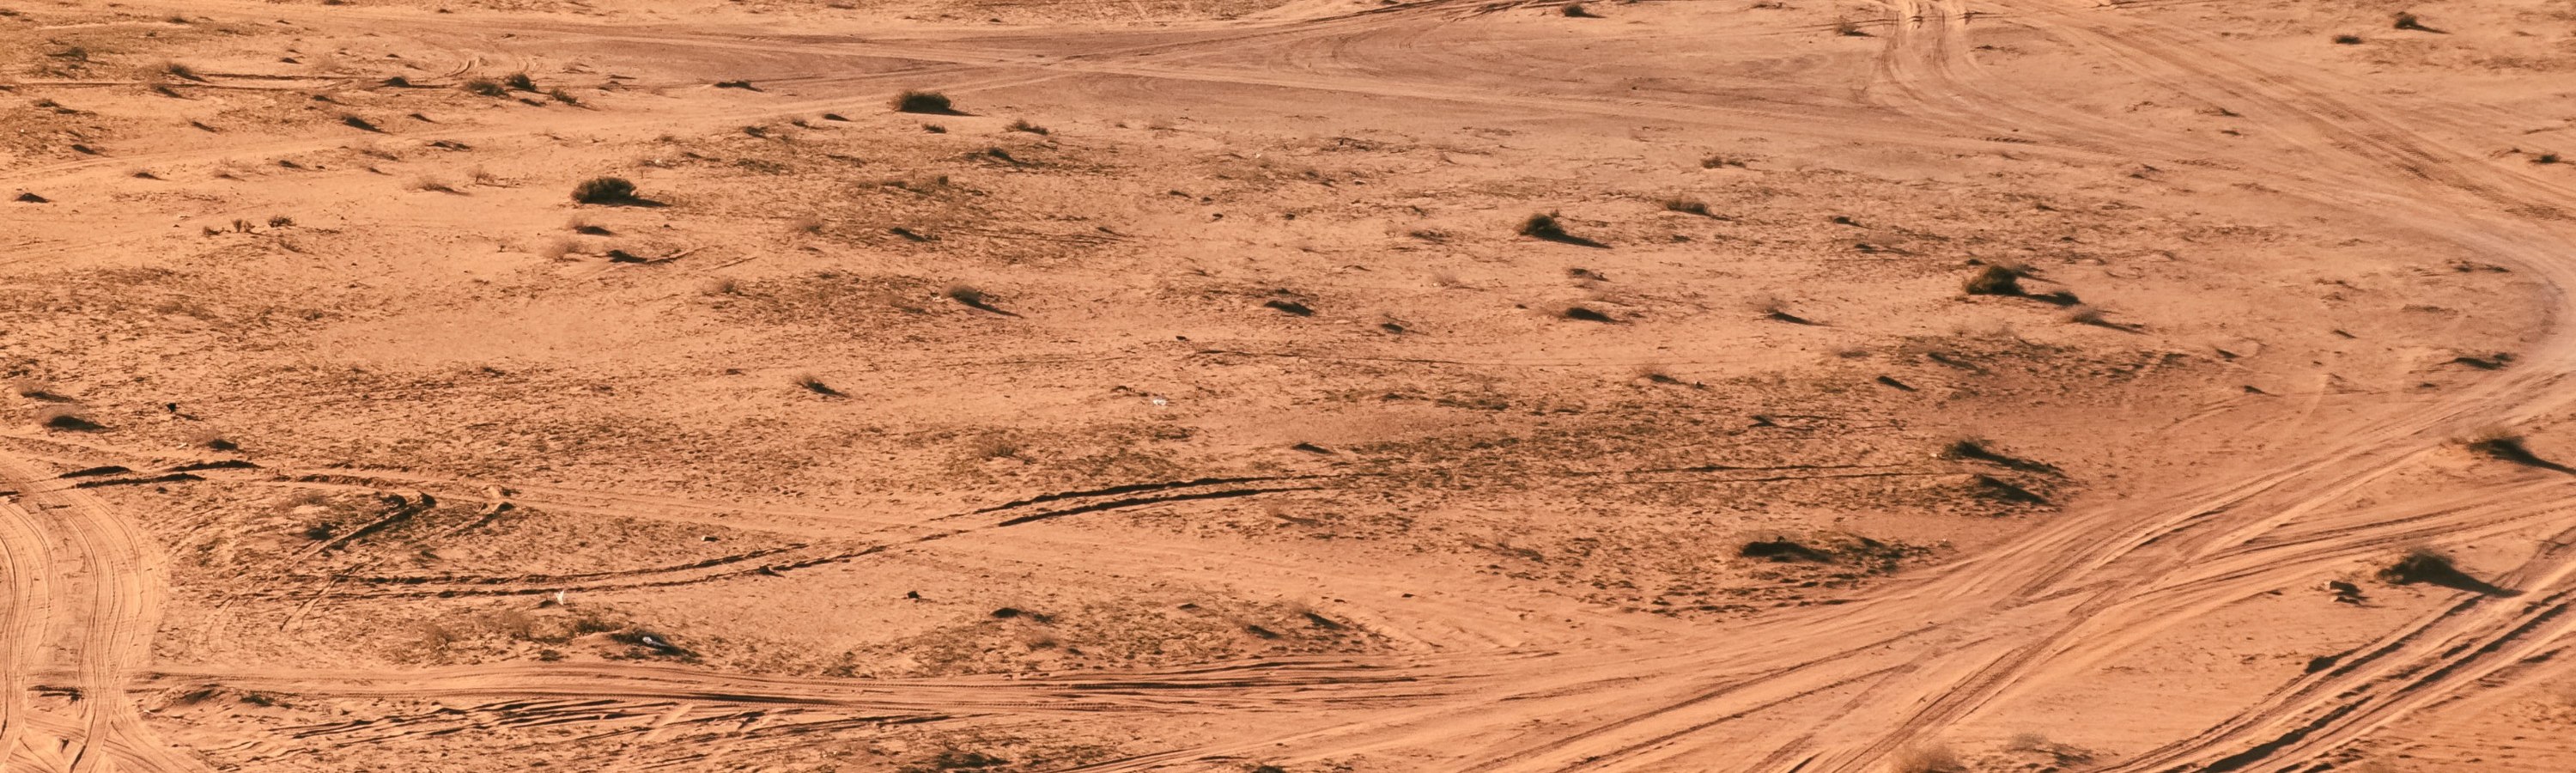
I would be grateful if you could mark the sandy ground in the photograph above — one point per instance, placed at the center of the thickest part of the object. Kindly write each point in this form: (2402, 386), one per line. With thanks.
(1194, 396)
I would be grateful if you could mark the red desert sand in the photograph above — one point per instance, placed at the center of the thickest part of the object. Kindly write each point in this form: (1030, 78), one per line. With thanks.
(1287, 386)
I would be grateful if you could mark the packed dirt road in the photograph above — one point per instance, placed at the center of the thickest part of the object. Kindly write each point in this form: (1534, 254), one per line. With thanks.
(2009, 385)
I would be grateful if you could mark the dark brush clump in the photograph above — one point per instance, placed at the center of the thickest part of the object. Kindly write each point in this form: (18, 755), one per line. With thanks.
(604, 190)
(1994, 280)
(930, 102)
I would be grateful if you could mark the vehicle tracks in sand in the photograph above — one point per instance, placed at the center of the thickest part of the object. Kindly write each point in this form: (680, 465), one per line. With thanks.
(84, 585)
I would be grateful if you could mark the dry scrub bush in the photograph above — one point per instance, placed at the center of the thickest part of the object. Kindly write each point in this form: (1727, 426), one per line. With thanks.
(923, 102)
(604, 190)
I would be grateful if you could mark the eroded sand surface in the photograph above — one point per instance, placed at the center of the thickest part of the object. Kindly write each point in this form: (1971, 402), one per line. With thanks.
(1191, 399)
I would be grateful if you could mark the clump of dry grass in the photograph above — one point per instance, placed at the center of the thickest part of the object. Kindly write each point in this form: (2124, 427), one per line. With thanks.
(1543, 225)
(34, 389)
(812, 383)
(212, 440)
(1659, 374)
(975, 297)
(1773, 308)
(930, 102)
(484, 87)
(1967, 448)
(2503, 445)
(998, 445)
(1586, 314)
(1686, 205)
(1926, 759)
(1576, 10)
(604, 190)
(428, 184)
(68, 418)
(519, 81)
(1023, 125)
(2419, 565)
(1994, 280)
(555, 249)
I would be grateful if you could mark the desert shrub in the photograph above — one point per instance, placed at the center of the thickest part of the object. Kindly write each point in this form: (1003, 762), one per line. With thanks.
(519, 81)
(2347, 40)
(1967, 448)
(485, 87)
(64, 417)
(1024, 126)
(2419, 565)
(1576, 10)
(1543, 225)
(812, 383)
(555, 249)
(1687, 206)
(2501, 445)
(211, 439)
(1781, 550)
(955, 759)
(923, 102)
(1926, 759)
(1773, 308)
(604, 190)
(1290, 307)
(1993, 280)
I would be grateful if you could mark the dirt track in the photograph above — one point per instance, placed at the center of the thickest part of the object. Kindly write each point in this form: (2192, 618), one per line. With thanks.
(2190, 514)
